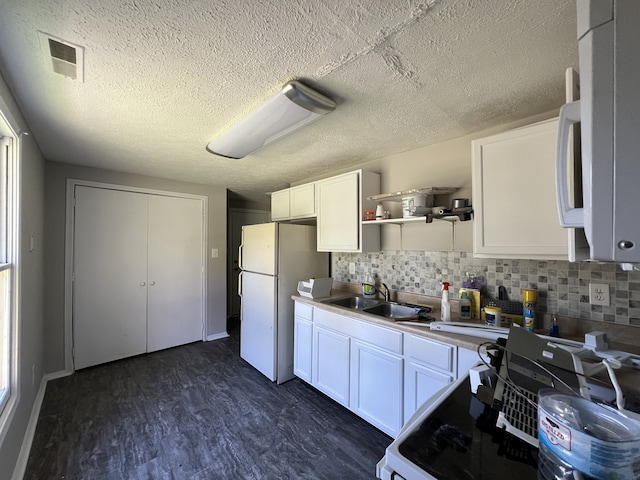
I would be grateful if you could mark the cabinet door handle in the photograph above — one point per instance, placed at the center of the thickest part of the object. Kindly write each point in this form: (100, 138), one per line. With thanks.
(152, 283)
(142, 284)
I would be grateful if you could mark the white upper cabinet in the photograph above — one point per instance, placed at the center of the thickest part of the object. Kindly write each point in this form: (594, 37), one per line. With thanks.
(280, 209)
(293, 203)
(302, 201)
(341, 202)
(514, 195)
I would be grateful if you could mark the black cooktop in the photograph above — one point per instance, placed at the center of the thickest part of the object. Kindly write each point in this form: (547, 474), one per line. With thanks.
(459, 440)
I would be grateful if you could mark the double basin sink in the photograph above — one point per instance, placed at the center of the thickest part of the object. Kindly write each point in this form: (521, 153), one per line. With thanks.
(380, 308)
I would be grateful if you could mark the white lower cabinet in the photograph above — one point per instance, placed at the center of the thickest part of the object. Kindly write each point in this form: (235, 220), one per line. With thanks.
(429, 366)
(376, 386)
(331, 364)
(421, 382)
(303, 341)
(380, 373)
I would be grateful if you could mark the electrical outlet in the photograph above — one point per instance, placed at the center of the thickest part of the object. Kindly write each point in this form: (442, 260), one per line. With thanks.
(599, 294)
(352, 268)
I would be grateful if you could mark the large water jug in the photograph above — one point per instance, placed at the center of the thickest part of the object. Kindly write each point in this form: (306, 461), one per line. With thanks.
(581, 438)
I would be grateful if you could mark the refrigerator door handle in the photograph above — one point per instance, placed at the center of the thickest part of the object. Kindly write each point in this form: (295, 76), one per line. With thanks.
(240, 283)
(240, 257)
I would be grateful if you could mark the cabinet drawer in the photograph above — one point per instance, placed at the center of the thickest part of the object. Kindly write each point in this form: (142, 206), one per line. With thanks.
(331, 320)
(430, 352)
(304, 310)
(381, 337)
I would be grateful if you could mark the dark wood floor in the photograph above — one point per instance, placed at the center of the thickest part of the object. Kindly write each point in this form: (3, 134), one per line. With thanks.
(196, 412)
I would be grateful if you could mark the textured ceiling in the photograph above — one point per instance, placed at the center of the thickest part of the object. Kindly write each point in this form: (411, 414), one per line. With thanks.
(165, 77)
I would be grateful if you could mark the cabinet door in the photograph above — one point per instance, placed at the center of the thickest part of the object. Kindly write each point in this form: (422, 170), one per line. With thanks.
(467, 359)
(302, 201)
(421, 382)
(110, 275)
(339, 213)
(330, 372)
(376, 387)
(280, 205)
(302, 348)
(175, 272)
(514, 195)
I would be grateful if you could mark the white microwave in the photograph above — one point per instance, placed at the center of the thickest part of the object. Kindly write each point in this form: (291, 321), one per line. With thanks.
(609, 115)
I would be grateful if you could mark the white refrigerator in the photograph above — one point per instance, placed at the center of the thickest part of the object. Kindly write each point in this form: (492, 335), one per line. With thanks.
(274, 257)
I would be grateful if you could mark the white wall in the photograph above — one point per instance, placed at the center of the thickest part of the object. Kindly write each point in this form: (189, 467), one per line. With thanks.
(31, 271)
(55, 197)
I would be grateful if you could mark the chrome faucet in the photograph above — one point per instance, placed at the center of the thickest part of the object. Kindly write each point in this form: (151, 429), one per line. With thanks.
(386, 294)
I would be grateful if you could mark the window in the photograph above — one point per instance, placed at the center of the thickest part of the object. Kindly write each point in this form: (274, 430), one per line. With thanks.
(7, 266)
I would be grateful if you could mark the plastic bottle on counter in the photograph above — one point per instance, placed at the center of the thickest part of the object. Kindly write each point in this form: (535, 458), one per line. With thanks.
(529, 309)
(445, 306)
(465, 307)
(492, 316)
(554, 331)
(369, 287)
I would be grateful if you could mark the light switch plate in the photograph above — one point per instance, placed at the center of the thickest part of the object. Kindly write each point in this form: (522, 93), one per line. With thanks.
(599, 294)
(214, 253)
(352, 268)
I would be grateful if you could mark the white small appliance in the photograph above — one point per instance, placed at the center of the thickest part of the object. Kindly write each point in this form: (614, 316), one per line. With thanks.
(274, 257)
(609, 114)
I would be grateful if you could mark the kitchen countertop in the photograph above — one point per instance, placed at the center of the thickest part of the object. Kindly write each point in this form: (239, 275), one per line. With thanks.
(423, 330)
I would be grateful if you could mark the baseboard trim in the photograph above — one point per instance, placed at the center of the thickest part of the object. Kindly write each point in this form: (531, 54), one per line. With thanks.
(55, 375)
(217, 336)
(23, 457)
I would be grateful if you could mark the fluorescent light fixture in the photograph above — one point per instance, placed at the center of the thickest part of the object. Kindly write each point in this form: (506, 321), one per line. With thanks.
(294, 106)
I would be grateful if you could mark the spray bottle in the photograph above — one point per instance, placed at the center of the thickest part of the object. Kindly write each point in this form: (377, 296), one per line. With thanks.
(529, 309)
(445, 306)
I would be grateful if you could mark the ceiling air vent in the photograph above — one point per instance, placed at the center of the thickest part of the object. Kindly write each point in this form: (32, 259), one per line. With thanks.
(62, 57)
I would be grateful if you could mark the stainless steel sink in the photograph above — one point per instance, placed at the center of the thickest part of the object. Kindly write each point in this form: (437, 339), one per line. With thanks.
(392, 310)
(355, 303)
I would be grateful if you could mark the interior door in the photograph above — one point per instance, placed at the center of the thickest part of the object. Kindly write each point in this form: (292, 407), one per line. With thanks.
(110, 275)
(258, 322)
(175, 272)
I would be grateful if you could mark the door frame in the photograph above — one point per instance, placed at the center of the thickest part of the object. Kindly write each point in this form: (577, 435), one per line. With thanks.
(69, 250)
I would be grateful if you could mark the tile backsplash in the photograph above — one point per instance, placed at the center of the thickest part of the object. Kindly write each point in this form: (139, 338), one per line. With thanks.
(563, 287)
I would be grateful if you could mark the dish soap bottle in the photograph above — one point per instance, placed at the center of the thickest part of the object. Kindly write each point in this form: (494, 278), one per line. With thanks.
(445, 306)
(369, 287)
(465, 307)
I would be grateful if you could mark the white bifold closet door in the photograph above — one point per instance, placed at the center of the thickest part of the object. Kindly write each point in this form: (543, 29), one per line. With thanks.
(138, 273)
